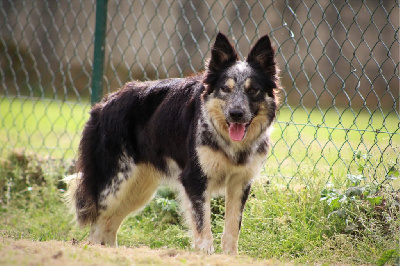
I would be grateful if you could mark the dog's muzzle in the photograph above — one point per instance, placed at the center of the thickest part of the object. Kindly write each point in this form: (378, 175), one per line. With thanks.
(237, 124)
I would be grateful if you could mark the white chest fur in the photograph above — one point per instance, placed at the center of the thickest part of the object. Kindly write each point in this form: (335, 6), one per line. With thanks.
(219, 168)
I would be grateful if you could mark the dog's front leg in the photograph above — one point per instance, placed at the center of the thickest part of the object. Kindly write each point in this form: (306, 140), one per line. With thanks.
(197, 208)
(237, 193)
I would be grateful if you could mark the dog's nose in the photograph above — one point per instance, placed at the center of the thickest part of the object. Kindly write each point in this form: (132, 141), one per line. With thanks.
(236, 114)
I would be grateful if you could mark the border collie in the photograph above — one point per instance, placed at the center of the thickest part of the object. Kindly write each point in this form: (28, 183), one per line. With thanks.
(208, 134)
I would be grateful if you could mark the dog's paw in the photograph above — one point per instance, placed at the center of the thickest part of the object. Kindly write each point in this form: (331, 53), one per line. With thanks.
(205, 246)
(209, 250)
(229, 244)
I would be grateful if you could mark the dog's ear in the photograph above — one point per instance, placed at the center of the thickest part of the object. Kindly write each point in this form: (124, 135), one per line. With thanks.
(222, 53)
(262, 54)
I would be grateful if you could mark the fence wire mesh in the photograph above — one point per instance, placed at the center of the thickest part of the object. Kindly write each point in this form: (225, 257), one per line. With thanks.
(339, 62)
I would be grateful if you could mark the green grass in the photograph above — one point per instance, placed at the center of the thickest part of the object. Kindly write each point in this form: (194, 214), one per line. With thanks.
(45, 127)
(303, 139)
(303, 215)
(294, 225)
(326, 140)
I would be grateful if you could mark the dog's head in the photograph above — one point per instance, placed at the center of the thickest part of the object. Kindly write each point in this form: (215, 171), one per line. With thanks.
(240, 99)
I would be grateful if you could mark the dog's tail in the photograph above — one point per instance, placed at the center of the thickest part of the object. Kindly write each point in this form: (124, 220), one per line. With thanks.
(84, 215)
(70, 196)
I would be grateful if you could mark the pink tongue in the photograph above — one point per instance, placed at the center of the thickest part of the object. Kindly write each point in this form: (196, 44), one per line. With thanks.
(236, 131)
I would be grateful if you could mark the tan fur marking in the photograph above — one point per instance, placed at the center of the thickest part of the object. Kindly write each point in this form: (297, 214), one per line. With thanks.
(216, 165)
(235, 186)
(230, 83)
(135, 191)
(258, 125)
(132, 196)
(214, 110)
(247, 83)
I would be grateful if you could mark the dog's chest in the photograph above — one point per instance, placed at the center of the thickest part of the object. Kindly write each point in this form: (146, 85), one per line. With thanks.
(217, 166)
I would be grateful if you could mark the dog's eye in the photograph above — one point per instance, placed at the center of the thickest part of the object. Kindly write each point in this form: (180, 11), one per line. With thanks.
(253, 91)
(225, 89)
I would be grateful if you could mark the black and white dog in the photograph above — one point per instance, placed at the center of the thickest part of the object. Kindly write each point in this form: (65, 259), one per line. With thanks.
(209, 134)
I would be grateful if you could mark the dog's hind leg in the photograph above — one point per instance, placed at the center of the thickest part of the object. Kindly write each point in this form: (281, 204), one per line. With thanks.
(237, 193)
(128, 193)
(104, 230)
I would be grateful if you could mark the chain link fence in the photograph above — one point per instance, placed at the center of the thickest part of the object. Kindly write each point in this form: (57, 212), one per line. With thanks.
(339, 62)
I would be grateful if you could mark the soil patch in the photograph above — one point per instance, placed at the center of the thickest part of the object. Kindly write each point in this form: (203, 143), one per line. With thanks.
(28, 252)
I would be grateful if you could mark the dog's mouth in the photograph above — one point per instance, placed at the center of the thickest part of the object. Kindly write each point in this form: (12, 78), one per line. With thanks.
(237, 131)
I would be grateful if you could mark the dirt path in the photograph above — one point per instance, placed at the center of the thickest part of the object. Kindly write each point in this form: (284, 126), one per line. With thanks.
(27, 252)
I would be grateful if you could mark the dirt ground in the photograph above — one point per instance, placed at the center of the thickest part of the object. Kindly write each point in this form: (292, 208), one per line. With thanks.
(27, 252)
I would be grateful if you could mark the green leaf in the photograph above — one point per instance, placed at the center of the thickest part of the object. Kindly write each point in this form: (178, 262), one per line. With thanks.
(375, 200)
(392, 174)
(357, 154)
(335, 203)
(355, 179)
(354, 191)
(387, 255)
(341, 213)
(366, 156)
(350, 228)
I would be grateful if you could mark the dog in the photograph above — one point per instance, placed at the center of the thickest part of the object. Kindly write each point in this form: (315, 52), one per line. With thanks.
(208, 134)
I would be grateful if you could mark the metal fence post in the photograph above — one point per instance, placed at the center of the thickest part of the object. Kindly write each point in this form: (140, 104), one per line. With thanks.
(99, 50)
